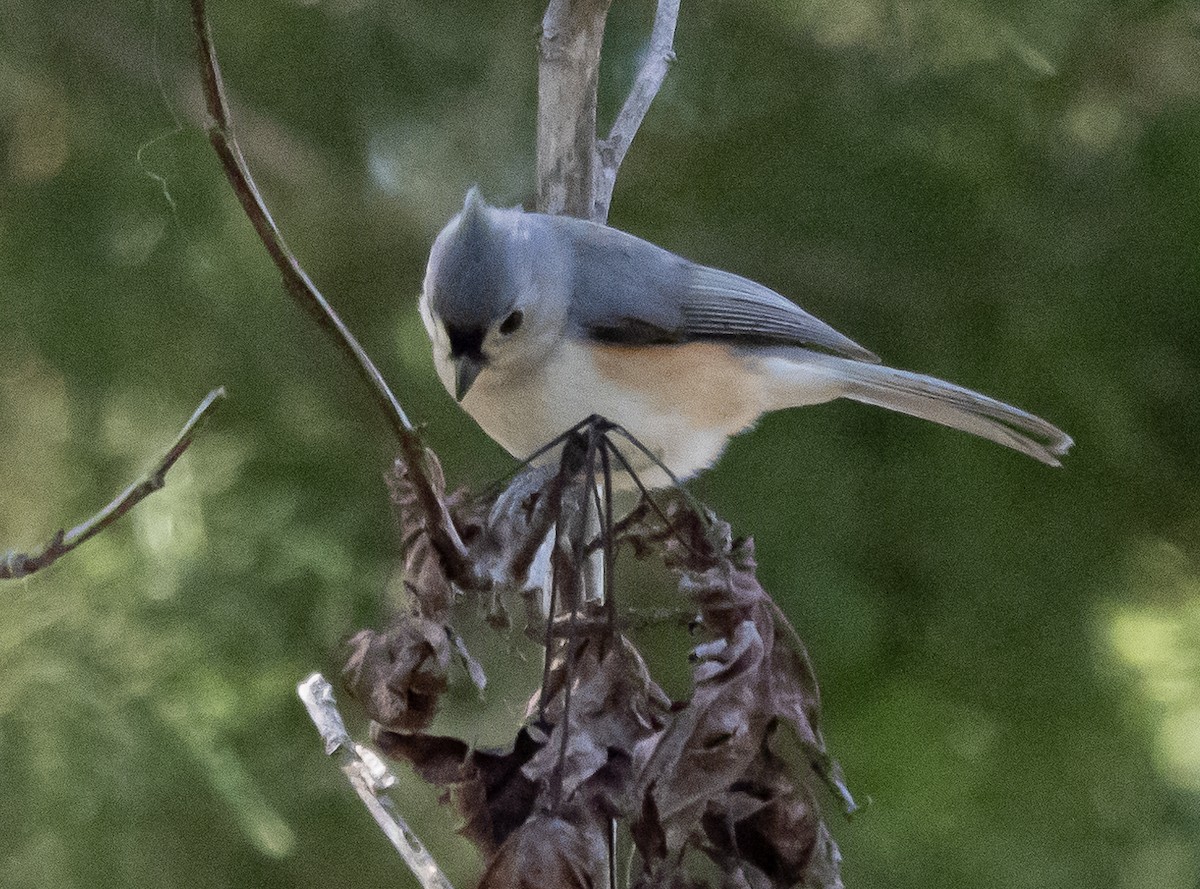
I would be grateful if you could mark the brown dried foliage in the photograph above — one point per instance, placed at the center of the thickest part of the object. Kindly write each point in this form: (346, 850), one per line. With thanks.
(698, 784)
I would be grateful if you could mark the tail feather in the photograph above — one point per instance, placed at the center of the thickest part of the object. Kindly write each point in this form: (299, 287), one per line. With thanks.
(932, 399)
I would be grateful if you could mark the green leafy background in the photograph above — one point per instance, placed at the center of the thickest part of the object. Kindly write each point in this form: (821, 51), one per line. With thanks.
(1005, 194)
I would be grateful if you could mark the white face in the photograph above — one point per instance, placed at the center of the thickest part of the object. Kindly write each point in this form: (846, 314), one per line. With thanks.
(512, 346)
(440, 342)
(528, 327)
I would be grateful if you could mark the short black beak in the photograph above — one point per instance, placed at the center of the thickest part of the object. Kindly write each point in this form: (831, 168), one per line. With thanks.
(466, 369)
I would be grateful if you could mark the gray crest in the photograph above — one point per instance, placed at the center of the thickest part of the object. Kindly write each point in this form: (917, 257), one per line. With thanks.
(468, 287)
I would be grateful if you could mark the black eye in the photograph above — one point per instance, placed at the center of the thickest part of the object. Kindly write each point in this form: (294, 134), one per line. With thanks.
(512, 322)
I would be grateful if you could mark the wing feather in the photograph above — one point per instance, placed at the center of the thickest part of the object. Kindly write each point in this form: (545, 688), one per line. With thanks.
(722, 304)
(626, 290)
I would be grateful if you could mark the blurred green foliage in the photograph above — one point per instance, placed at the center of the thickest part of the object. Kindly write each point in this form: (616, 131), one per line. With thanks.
(1005, 194)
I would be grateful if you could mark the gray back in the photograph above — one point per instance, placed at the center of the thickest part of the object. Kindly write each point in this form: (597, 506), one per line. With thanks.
(627, 290)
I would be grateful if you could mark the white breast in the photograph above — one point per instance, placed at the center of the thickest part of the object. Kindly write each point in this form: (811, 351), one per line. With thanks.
(681, 402)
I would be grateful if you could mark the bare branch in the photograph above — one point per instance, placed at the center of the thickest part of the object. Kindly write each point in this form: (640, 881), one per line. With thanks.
(659, 56)
(304, 291)
(568, 72)
(370, 779)
(301, 287)
(16, 565)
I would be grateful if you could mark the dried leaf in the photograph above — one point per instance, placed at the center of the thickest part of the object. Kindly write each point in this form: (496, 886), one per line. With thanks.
(487, 787)
(550, 852)
(825, 866)
(764, 821)
(424, 573)
(399, 676)
(668, 876)
(712, 769)
(692, 778)
(711, 741)
(614, 706)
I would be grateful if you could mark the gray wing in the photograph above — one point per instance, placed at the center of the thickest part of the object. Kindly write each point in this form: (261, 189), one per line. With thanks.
(628, 291)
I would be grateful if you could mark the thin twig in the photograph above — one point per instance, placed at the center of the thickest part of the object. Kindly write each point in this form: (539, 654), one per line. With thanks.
(610, 594)
(556, 582)
(659, 56)
(648, 498)
(15, 565)
(678, 485)
(370, 779)
(624, 529)
(575, 545)
(497, 487)
(220, 133)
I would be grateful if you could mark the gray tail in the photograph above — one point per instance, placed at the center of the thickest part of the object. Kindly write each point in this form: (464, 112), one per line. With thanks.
(932, 399)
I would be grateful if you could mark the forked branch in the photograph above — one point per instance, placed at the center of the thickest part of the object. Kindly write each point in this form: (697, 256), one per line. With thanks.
(576, 171)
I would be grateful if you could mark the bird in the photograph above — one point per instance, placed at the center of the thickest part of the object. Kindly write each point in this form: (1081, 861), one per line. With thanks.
(539, 321)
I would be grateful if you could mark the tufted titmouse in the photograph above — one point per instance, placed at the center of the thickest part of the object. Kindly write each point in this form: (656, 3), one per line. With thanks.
(538, 322)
